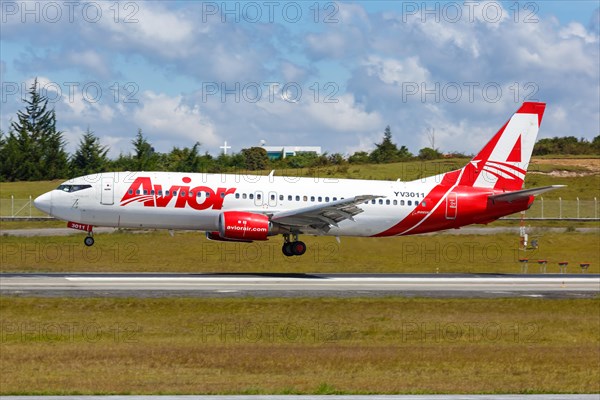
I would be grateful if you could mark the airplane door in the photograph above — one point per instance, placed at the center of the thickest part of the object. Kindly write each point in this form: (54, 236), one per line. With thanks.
(451, 205)
(107, 194)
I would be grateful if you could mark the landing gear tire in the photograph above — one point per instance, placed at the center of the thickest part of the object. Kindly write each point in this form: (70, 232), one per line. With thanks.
(88, 241)
(293, 247)
(298, 248)
(287, 249)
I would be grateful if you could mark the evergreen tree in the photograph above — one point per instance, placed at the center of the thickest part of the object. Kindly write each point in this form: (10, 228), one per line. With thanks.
(404, 154)
(386, 151)
(90, 157)
(184, 160)
(40, 146)
(144, 158)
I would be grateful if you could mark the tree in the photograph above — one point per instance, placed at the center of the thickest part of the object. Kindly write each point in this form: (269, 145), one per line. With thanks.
(387, 151)
(184, 160)
(90, 157)
(144, 158)
(360, 157)
(404, 154)
(596, 145)
(427, 153)
(255, 158)
(40, 147)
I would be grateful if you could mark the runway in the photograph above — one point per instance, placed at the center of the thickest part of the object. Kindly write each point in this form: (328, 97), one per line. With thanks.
(300, 285)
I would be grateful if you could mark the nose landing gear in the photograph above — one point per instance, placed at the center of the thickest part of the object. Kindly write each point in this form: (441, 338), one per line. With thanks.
(89, 239)
(293, 247)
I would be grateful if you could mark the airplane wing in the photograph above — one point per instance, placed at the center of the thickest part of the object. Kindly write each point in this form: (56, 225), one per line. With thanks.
(520, 194)
(322, 216)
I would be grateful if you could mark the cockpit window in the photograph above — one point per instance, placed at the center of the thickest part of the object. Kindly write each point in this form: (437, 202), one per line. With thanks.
(72, 188)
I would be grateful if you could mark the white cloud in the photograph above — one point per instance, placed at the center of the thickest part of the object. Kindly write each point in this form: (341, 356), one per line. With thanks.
(577, 30)
(394, 72)
(162, 116)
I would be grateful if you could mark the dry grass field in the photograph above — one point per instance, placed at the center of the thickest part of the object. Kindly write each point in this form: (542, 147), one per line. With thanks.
(192, 252)
(391, 345)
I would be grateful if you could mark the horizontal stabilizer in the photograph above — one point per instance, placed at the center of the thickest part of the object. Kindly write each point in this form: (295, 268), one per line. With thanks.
(520, 194)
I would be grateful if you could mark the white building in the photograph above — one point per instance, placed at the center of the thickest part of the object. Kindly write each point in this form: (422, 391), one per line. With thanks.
(278, 152)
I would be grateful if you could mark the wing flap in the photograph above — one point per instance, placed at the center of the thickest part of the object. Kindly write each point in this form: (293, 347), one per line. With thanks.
(323, 216)
(520, 194)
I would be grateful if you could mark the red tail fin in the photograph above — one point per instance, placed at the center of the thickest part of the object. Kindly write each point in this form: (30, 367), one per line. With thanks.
(502, 163)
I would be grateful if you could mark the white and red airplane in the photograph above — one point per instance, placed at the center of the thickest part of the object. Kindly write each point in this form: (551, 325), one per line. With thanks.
(247, 207)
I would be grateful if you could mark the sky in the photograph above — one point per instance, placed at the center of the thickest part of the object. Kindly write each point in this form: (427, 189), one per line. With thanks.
(329, 74)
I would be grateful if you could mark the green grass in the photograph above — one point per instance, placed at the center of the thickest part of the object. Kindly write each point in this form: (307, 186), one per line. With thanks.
(191, 252)
(302, 346)
(22, 190)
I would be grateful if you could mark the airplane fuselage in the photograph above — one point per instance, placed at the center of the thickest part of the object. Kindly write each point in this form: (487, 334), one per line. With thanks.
(192, 201)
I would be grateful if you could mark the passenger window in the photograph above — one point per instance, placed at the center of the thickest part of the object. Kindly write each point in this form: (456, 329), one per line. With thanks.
(409, 202)
(280, 197)
(290, 197)
(320, 199)
(166, 192)
(243, 195)
(222, 195)
(380, 201)
(297, 198)
(251, 196)
(272, 197)
(160, 192)
(199, 194)
(207, 194)
(152, 192)
(305, 198)
(373, 201)
(401, 202)
(137, 192)
(387, 202)
(182, 193)
(312, 198)
(335, 199)
(237, 195)
(395, 202)
(423, 203)
(130, 191)
(327, 199)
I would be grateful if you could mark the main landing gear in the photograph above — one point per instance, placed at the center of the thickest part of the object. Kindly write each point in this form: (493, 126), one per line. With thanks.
(293, 247)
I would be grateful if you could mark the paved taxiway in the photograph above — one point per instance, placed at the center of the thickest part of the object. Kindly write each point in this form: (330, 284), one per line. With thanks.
(300, 285)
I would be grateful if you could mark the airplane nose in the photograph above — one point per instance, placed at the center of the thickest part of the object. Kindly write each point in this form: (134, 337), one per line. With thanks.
(44, 202)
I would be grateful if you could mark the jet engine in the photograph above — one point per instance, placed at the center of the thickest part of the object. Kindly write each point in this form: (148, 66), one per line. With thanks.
(239, 226)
